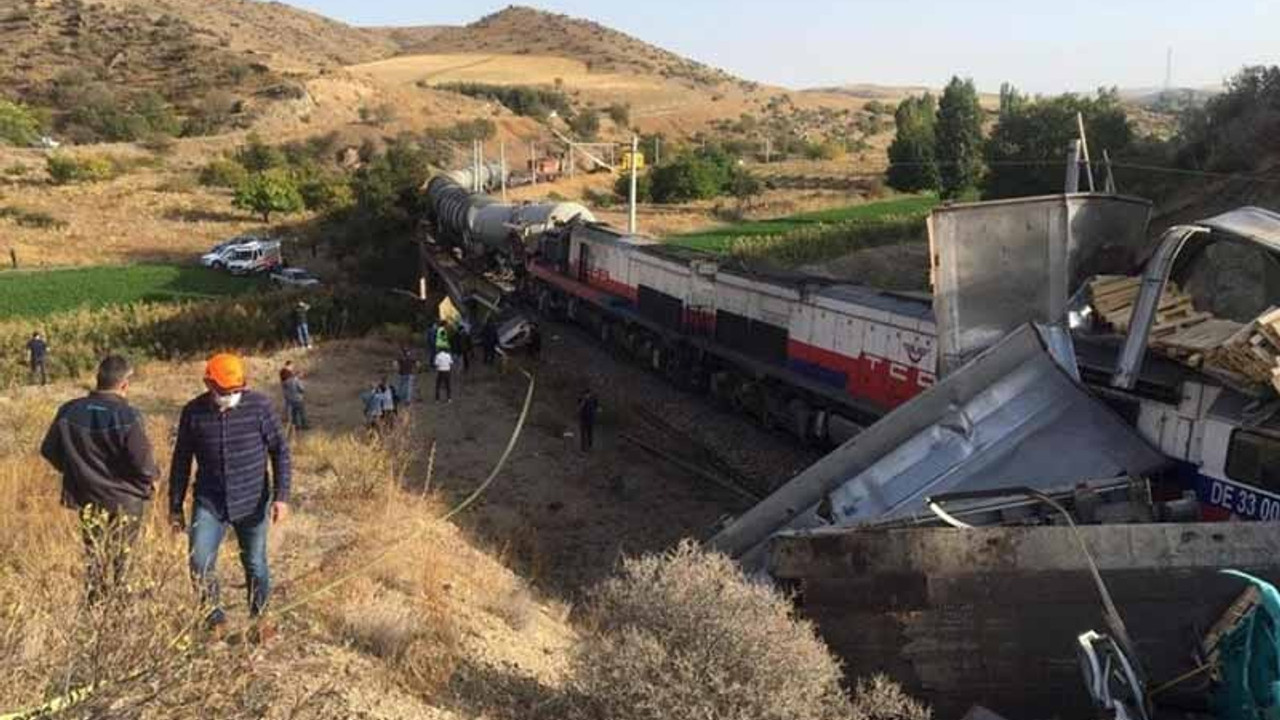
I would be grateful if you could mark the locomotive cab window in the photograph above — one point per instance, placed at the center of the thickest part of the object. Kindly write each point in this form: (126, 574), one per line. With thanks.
(1230, 279)
(1254, 458)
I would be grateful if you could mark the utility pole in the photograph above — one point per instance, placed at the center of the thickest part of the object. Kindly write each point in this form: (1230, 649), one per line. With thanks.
(1072, 182)
(631, 216)
(768, 150)
(657, 149)
(502, 167)
(1084, 148)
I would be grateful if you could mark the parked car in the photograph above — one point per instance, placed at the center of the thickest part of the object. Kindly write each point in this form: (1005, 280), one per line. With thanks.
(219, 254)
(255, 257)
(294, 277)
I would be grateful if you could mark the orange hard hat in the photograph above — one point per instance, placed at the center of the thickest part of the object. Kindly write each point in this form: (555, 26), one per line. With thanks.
(226, 371)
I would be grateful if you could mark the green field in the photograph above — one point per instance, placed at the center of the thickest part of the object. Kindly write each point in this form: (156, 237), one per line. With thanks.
(25, 293)
(720, 239)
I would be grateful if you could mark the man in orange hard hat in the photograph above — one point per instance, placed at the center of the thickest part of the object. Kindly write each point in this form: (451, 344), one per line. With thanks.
(231, 433)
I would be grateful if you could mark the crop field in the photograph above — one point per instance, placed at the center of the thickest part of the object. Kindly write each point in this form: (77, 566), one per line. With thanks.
(38, 293)
(891, 214)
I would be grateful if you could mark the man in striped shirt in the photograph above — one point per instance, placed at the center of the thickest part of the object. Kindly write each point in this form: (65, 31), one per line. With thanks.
(231, 433)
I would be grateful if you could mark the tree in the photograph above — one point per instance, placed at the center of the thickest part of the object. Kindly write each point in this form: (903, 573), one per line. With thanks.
(959, 134)
(267, 192)
(913, 163)
(1011, 101)
(1026, 149)
(18, 124)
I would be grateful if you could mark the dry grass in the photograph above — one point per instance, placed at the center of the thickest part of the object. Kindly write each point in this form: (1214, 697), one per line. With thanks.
(685, 634)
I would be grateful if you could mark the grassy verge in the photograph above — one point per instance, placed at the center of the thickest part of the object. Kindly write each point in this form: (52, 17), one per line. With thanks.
(888, 212)
(40, 293)
(163, 330)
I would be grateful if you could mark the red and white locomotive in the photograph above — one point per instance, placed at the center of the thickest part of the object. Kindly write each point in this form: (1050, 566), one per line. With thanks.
(817, 357)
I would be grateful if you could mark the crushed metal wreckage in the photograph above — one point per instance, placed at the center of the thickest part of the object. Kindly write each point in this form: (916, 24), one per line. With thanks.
(1036, 517)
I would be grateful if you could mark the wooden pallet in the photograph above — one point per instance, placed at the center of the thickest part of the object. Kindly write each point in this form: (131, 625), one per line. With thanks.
(1250, 352)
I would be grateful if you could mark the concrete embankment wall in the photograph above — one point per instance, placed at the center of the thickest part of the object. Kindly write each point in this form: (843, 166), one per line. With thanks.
(991, 615)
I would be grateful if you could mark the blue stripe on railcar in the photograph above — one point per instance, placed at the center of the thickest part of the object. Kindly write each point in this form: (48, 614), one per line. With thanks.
(826, 376)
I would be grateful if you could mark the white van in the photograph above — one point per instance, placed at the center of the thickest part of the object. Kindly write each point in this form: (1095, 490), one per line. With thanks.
(255, 257)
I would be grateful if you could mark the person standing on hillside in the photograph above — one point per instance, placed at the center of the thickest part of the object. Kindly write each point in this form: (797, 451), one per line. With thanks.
(489, 342)
(231, 434)
(300, 328)
(99, 444)
(464, 345)
(588, 407)
(294, 393)
(37, 353)
(444, 367)
(406, 373)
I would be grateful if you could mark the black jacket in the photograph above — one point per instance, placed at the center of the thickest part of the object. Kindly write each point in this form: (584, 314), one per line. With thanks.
(99, 444)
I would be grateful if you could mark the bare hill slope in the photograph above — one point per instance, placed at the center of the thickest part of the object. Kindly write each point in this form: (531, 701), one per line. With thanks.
(522, 30)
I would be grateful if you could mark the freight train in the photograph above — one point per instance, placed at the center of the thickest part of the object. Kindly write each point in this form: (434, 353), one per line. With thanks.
(819, 358)
(823, 359)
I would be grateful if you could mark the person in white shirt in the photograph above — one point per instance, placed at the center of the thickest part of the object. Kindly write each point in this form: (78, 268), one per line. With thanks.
(444, 364)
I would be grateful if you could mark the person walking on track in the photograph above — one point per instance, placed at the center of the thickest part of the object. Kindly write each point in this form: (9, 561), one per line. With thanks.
(233, 436)
(37, 353)
(588, 407)
(99, 444)
(444, 367)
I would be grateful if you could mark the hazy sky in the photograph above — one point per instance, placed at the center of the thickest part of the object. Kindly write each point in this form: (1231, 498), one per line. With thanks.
(1039, 45)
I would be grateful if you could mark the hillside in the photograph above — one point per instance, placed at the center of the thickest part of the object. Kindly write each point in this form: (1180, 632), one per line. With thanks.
(522, 31)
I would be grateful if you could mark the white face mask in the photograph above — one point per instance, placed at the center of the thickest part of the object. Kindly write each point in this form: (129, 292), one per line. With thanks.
(226, 402)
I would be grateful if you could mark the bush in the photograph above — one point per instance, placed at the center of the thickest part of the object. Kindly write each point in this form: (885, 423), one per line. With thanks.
(523, 100)
(620, 114)
(644, 187)
(380, 114)
(686, 635)
(585, 124)
(32, 218)
(64, 169)
(19, 125)
(256, 156)
(223, 172)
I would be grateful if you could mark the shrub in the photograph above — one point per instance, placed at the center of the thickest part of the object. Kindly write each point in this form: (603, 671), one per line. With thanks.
(523, 100)
(19, 125)
(16, 170)
(380, 114)
(64, 169)
(585, 124)
(686, 635)
(32, 218)
(223, 172)
(620, 114)
(644, 187)
(257, 156)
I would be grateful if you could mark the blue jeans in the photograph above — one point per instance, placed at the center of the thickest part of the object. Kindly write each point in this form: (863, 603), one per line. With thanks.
(404, 389)
(296, 414)
(205, 536)
(304, 334)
